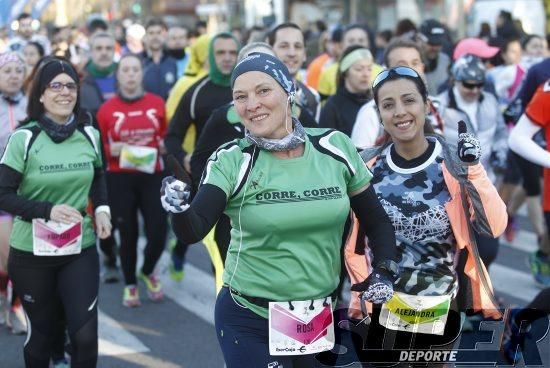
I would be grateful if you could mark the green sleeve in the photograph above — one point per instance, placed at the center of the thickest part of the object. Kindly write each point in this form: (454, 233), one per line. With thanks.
(15, 152)
(223, 167)
(360, 175)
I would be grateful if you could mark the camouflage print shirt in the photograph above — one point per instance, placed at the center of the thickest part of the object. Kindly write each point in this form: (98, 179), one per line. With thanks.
(414, 195)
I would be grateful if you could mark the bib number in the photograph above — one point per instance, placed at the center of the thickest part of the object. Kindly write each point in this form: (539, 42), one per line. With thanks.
(302, 330)
(416, 314)
(139, 158)
(50, 238)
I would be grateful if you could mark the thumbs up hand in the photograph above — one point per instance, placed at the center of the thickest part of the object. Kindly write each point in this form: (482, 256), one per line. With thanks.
(469, 150)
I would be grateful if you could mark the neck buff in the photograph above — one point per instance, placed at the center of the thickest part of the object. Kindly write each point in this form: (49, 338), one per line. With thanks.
(98, 72)
(57, 132)
(177, 54)
(12, 100)
(291, 141)
(216, 75)
(134, 98)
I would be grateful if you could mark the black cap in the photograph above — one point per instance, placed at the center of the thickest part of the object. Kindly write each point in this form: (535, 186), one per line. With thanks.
(434, 31)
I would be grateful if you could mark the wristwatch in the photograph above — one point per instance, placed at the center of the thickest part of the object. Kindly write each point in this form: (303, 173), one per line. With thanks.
(390, 266)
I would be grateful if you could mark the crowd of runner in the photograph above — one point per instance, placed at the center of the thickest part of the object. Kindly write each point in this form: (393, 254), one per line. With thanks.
(262, 143)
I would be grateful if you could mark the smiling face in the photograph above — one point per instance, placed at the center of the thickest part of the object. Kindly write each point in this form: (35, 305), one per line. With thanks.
(402, 110)
(262, 105)
(59, 105)
(12, 76)
(290, 49)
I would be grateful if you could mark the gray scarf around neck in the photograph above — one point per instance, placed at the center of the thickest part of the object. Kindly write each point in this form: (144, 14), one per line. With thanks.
(291, 141)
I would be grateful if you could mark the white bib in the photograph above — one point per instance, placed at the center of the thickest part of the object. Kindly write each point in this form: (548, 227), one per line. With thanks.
(50, 238)
(416, 314)
(302, 330)
(139, 158)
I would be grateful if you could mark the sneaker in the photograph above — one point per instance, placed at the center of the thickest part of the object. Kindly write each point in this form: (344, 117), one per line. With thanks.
(540, 268)
(514, 339)
(61, 363)
(154, 288)
(511, 229)
(130, 297)
(176, 264)
(110, 275)
(17, 321)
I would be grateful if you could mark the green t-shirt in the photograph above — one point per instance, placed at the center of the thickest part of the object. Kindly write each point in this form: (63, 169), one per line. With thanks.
(287, 215)
(59, 173)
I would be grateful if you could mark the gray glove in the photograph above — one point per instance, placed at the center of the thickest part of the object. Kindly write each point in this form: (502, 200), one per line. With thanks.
(377, 288)
(174, 195)
(469, 149)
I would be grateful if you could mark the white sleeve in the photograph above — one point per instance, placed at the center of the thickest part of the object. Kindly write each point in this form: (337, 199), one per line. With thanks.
(521, 142)
(366, 128)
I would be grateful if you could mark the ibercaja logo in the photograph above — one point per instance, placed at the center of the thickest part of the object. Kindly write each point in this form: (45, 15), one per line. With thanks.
(477, 342)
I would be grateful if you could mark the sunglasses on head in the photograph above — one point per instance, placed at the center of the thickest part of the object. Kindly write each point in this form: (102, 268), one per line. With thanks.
(58, 86)
(399, 70)
(472, 85)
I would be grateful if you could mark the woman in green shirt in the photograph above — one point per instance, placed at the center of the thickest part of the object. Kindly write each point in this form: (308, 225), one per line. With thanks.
(50, 168)
(288, 191)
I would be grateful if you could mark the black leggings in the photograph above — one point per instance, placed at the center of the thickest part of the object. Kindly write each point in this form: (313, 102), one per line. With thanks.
(531, 174)
(488, 248)
(53, 288)
(128, 193)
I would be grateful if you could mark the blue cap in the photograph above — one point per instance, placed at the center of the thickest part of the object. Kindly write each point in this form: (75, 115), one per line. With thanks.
(265, 63)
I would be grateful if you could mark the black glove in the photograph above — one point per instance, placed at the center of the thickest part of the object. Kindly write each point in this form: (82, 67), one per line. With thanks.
(174, 195)
(377, 288)
(469, 150)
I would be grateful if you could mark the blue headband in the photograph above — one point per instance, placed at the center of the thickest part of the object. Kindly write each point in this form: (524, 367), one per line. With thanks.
(270, 65)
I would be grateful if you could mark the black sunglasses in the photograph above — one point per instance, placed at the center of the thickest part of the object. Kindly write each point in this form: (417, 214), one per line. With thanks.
(473, 85)
(399, 70)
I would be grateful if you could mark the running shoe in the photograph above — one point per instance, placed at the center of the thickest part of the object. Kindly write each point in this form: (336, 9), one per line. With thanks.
(17, 321)
(514, 339)
(154, 288)
(130, 297)
(176, 263)
(540, 268)
(511, 229)
(61, 363)
(110, 275)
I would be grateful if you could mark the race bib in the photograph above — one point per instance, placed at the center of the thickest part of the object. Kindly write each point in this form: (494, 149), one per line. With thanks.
(416, 314)
(301, 330)
(139, 158)
(50, 238)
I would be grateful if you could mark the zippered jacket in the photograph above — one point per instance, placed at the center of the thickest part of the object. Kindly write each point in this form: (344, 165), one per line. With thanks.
(486, 215)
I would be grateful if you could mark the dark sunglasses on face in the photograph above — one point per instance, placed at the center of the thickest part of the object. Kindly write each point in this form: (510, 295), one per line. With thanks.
(58, 86)
(399, 70)
(472, 85)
